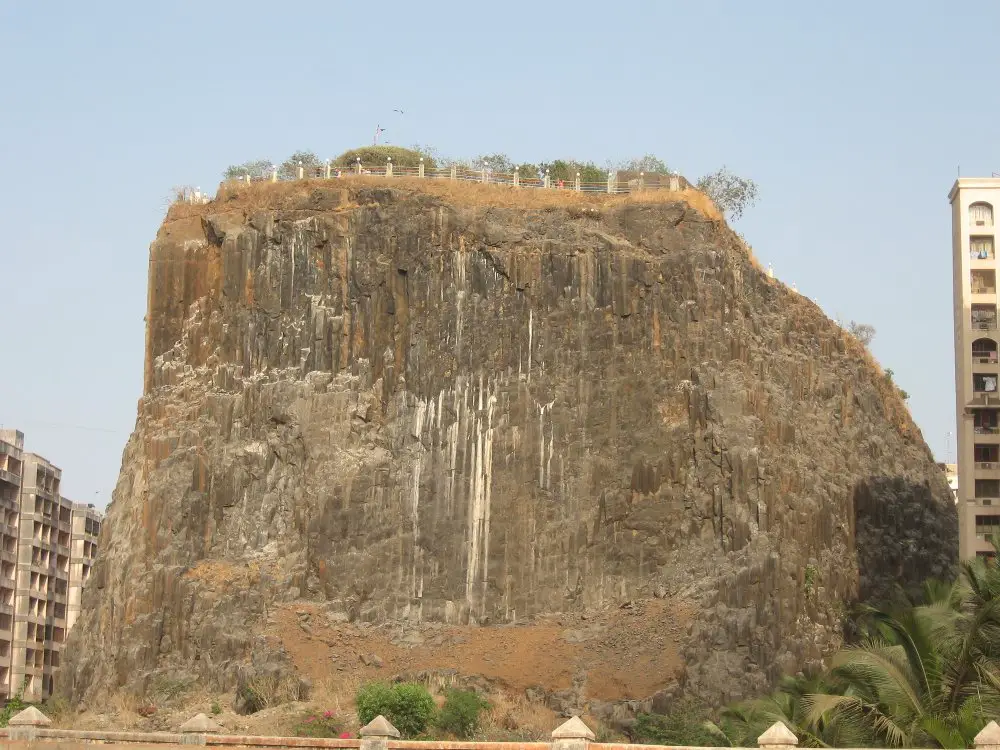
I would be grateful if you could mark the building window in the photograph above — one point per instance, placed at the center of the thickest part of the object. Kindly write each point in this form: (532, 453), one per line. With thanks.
(981, 214)
(987, 454)
(981, 248)
(983, 281)
(984, 317)
(984, 383)
(988, 488)
(984, 351)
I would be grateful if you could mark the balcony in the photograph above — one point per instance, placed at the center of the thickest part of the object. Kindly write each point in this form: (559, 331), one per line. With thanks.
(984, 323)
(988, 465)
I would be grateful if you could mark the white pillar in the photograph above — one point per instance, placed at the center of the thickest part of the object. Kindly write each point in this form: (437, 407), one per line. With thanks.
(420, 169)
(777, 737)
(388, 167)
(578, 182)
(301, 171)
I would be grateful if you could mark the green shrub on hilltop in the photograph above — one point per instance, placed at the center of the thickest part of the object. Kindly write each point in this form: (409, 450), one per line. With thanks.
(407, 705)
(378, 155)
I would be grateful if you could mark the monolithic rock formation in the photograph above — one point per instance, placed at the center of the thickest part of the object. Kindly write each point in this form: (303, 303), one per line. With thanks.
(474, 408)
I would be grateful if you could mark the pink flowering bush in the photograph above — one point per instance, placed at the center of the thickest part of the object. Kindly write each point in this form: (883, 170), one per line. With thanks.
(325, 724)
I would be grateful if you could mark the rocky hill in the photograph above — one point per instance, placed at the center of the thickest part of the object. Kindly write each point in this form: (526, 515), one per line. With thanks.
(577, 445)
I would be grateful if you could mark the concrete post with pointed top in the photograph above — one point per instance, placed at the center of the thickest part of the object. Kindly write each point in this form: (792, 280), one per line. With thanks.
(274, 173)
(195, 729)
(328, 168)
(420, 168)
(454, 172)
(778, 737)
(573, 735)
(25, 725)
(375, 735)
(988, 738)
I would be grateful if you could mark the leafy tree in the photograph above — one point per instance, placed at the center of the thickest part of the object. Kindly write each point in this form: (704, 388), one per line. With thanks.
(407, 705)
(732, 194)
(289, 168)
(258, 169)
(460, 713)
(649, 164)
(863, 332)
(500, 163)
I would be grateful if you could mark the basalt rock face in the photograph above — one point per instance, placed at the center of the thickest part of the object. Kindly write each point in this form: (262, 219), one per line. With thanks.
(410, 409)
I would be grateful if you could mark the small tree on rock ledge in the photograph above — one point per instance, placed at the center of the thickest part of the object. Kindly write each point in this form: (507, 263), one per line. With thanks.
(732, 194)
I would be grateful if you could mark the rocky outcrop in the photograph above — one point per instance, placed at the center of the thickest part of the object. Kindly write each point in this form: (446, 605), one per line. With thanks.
(414, 408)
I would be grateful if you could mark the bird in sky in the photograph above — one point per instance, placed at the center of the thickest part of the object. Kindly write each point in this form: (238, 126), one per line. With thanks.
(398, 110)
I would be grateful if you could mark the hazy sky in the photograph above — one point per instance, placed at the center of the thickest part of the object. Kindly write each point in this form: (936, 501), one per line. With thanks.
(853, 120)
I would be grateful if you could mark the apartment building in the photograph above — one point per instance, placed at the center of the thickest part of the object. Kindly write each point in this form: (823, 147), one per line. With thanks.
(42, 535)
(974, 202)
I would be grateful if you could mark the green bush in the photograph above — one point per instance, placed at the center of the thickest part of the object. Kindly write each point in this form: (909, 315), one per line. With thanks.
(407, 705)
(14, 706)
(684, 725)
(377, 156)
(460, 713)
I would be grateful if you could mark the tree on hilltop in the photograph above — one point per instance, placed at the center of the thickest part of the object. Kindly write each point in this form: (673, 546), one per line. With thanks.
(732, 194)
(289, 168)
(256, 169)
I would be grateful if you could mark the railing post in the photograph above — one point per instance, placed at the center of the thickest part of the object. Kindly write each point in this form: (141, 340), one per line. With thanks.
(573, 735)
(578, 182)
(545, 182)
(420, 169)
(274, 173)
(642, 180)
(328, 165)
(778, 737)
(358, 165)
(376, 734)
(301, 171)
(25, 725)
(483, 173)
(195, 729)
(675, 182)
(988, 738)
(248, 178)
(610, 186)
(388, 167)
(517, 177)
(454, 172)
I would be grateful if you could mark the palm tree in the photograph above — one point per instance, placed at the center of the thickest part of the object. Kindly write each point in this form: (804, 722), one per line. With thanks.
(924, 676)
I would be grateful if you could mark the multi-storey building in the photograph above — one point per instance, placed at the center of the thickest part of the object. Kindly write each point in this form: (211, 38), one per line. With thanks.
(37, 583)
(977, 369)
(86, 527)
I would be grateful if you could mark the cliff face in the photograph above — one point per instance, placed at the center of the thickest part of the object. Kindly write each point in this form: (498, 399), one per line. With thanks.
(378, 406)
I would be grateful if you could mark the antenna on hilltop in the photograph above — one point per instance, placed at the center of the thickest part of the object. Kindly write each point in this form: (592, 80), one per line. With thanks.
(378, 131)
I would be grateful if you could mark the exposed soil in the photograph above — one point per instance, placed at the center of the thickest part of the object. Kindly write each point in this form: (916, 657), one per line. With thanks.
(624, 653)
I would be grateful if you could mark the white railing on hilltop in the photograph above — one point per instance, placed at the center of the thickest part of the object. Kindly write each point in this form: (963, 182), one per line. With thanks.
(615, 183)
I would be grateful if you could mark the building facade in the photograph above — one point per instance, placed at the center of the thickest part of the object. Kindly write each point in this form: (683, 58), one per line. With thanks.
(42, 535)
(974, 202)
